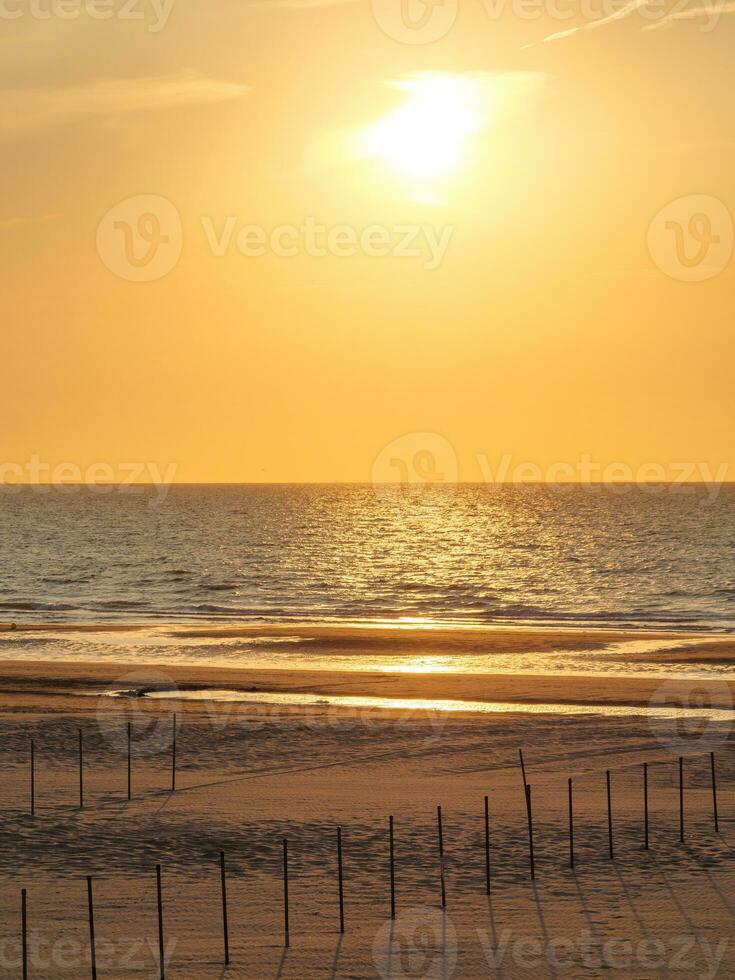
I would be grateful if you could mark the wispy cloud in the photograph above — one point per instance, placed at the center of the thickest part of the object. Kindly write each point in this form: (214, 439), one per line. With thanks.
(622, 14)
(26, 110)
(710, 9)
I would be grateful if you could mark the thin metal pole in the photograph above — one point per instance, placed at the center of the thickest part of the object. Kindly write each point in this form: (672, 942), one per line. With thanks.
(645, 802)
(392, 871)
(92, 947)
(441, 856)
(681, 799)
(571, 826)
(609, 815)
(523, 768)
(161, 950)
(341, 881)
(287, 942)
(81, 770)
(223, 879)
(173, 758)
(24, 931)
(714, 791)
(487, 846)
(130, 761)
(530, 832)
(33, 778)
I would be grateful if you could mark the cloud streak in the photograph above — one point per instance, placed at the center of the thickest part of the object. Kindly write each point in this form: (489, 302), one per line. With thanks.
(27, 110)
(711, 10)
(622, 14)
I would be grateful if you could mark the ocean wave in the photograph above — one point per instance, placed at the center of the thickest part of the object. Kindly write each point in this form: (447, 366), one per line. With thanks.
(30, 605)
(119, 604)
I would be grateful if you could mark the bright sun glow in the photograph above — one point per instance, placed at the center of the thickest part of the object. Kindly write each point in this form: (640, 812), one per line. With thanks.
(425, 136)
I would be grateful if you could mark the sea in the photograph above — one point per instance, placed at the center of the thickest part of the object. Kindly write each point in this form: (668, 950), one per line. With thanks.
(644, 556)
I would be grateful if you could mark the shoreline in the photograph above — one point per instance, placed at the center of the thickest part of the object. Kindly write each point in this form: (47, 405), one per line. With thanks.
(353, 630)
(237, 626)
(23, 680)
(408, 663)
(402, 638)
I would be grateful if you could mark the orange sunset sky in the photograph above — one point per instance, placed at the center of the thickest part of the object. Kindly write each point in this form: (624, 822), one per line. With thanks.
(545, 313)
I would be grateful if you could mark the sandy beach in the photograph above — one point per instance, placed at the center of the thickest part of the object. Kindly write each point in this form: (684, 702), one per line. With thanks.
(249, 775)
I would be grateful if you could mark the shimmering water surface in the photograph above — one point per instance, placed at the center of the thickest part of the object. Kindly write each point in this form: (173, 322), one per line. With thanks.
(651, 557)
(441, 705)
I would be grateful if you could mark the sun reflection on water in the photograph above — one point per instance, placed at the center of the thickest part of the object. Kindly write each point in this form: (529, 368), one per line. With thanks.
(306, 700)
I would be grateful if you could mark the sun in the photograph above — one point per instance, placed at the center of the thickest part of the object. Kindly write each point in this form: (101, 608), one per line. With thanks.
(431, 145)
(424, 138)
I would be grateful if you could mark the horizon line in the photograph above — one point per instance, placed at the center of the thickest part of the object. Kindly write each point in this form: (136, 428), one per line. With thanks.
(376, 483)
